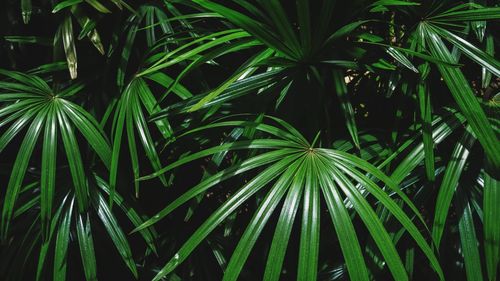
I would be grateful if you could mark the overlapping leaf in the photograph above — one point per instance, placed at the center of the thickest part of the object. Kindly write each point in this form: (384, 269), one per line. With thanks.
(293, 166)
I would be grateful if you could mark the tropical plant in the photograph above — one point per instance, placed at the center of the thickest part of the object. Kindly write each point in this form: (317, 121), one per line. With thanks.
(249, 140)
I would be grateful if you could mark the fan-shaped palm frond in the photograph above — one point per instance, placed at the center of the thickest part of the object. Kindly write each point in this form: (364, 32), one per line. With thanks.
(136, 95)
(30, 102)
(295, 171)
(294, 57)
(435, 22)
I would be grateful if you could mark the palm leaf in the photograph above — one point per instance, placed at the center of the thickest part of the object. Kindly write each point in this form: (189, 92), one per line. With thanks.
(327, 166)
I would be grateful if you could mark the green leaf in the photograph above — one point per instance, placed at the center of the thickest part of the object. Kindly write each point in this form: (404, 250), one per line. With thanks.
(149, 234)
(464, 96)
(491, 201)
(61, 248)
(372, 223)
(74, 159)
(303, 13)
(398, 55)
(21, 121)
(133, 22)
(490, 13)
(48, 68)
(284, 229)
(424, 101)
(48, 169)
(376, 172)
(310, 228)
(450, 182)
(241, 73)
(349, 242)
(471, 51)
(167, 82)
(398, 213)
(24, 208)
(98, 6)
(420, 55)
(86, 243)
(69, 46)
(290, 133)
(87, 28)
(256, 143)
(237, 89)
(256, 28)
(468, 240)
(490, 50)
(64, 4)
(284, 28)
(29, 83)
(177, 58)
(324, 19)
(115, 232)
(257, 223)
(120, 114)
(90, 129)
(344, 31)
(442, 127)
(151, 105)
(48, 238)
(217, 178)
(223, 211)
(145, 136)
(394, 3)
(129, 119)
(26, 10)
(29, 40)
(71, 90)
(19, 169)
(342, 94)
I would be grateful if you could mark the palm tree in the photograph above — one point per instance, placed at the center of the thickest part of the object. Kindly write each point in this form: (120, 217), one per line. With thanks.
(249, 140)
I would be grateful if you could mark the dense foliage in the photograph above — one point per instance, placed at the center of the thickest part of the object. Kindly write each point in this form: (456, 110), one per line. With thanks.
(249, 140)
